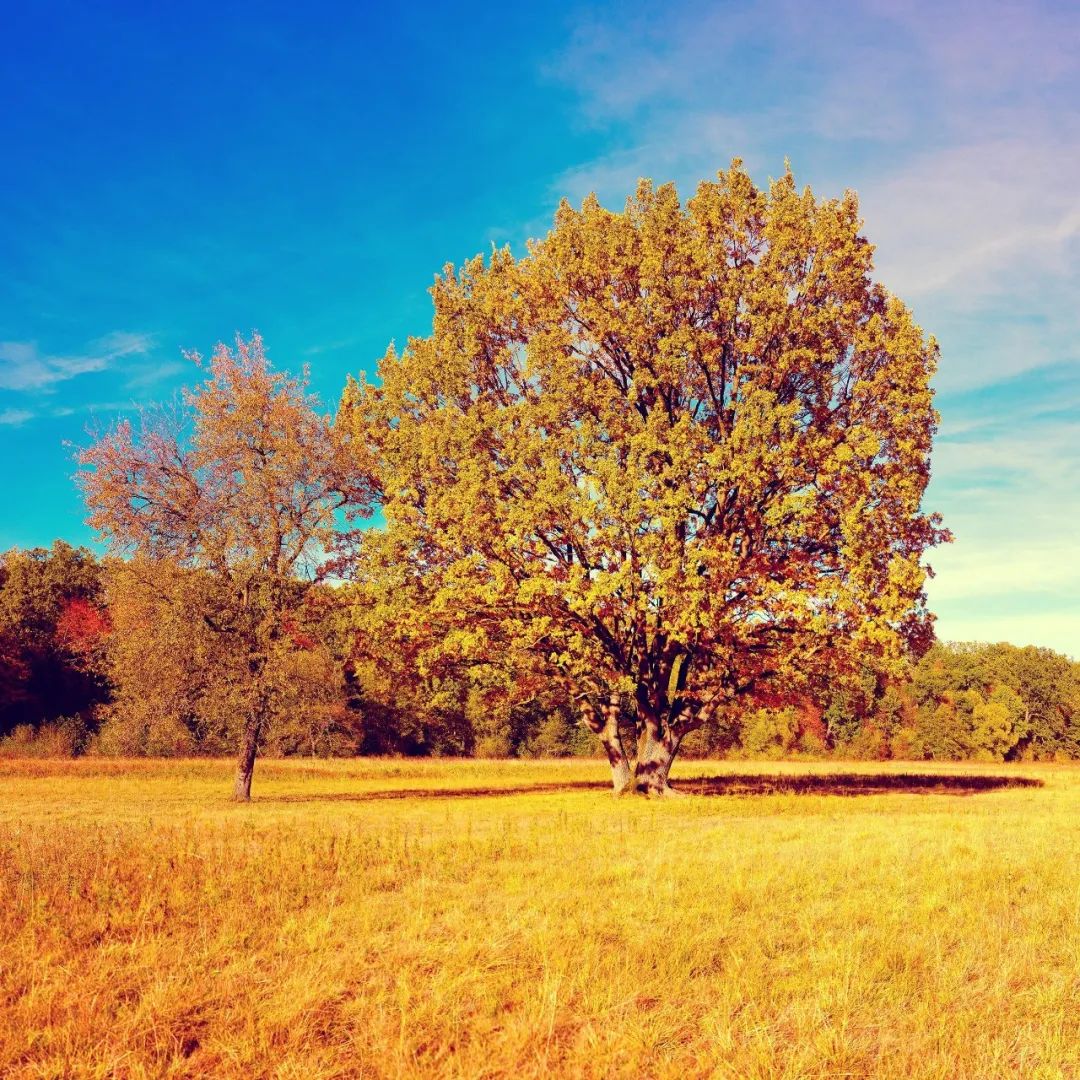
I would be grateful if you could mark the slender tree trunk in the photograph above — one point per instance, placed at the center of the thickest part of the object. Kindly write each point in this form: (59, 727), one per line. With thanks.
(604, 723)
(245, 759)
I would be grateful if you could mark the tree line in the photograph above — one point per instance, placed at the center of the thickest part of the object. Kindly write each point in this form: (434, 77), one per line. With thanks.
(107, 656)
(659, 479)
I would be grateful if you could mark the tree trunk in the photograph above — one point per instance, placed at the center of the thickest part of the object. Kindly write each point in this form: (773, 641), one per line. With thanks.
(245, 759)
(605, 725)
(656, 751)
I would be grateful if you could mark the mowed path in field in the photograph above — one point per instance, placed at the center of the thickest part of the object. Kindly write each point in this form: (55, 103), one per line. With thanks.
(398, 918)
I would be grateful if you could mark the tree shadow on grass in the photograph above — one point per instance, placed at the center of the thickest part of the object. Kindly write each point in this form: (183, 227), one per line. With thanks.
(853, 784)
(732, 784)
(439, 793)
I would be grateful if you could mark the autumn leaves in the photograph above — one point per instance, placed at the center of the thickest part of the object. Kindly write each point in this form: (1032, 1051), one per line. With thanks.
(673, 456)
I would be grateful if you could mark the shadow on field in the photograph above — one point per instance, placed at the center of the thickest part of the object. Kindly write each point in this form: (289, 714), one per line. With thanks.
(441, 793)
(853, 784)
(733, 784)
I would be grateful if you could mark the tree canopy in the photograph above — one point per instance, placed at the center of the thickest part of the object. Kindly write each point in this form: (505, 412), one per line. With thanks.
(673, 457)
(245, 482)
(52, 628)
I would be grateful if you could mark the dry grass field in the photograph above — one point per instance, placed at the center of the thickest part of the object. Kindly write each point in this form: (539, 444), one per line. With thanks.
(482, 919)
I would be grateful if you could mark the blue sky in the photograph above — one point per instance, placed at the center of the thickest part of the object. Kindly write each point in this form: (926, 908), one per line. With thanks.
(174, 176)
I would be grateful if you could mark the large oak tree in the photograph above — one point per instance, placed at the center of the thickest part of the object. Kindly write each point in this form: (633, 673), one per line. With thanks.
(674, 455)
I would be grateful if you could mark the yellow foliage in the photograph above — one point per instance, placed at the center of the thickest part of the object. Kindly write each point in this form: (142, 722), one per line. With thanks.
(678, 437)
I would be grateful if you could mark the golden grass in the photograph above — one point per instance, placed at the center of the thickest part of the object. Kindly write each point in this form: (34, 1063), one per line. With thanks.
(151, 928)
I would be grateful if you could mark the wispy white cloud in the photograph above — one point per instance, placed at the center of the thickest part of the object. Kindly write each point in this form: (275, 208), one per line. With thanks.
(975, 212)
(991, 48)
(146, 375)
(109, 406)
(330, 346)
(15, 417)
(121, 343)
(24, 367)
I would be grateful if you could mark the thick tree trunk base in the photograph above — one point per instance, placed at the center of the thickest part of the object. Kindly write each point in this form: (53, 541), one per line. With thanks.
(242, 787)
(622, 778)
(656, 752)
(647, 774)
(635, 787)
(665, 792)
(653, 790)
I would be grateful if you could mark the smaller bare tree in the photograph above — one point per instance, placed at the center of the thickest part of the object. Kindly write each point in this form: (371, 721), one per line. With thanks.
(244, 480)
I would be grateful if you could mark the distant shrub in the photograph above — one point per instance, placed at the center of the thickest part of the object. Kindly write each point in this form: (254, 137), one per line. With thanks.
(812, 744)
(65, 737)
(905, 745)
(770, 733)
(869, 743)
(493, 746)
(121, 735)
(557, 736)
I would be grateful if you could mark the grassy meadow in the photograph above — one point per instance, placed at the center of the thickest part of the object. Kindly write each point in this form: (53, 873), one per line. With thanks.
(479, 919)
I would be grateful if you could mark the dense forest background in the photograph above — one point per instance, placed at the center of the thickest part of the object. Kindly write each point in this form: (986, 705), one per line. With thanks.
(116, 657)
